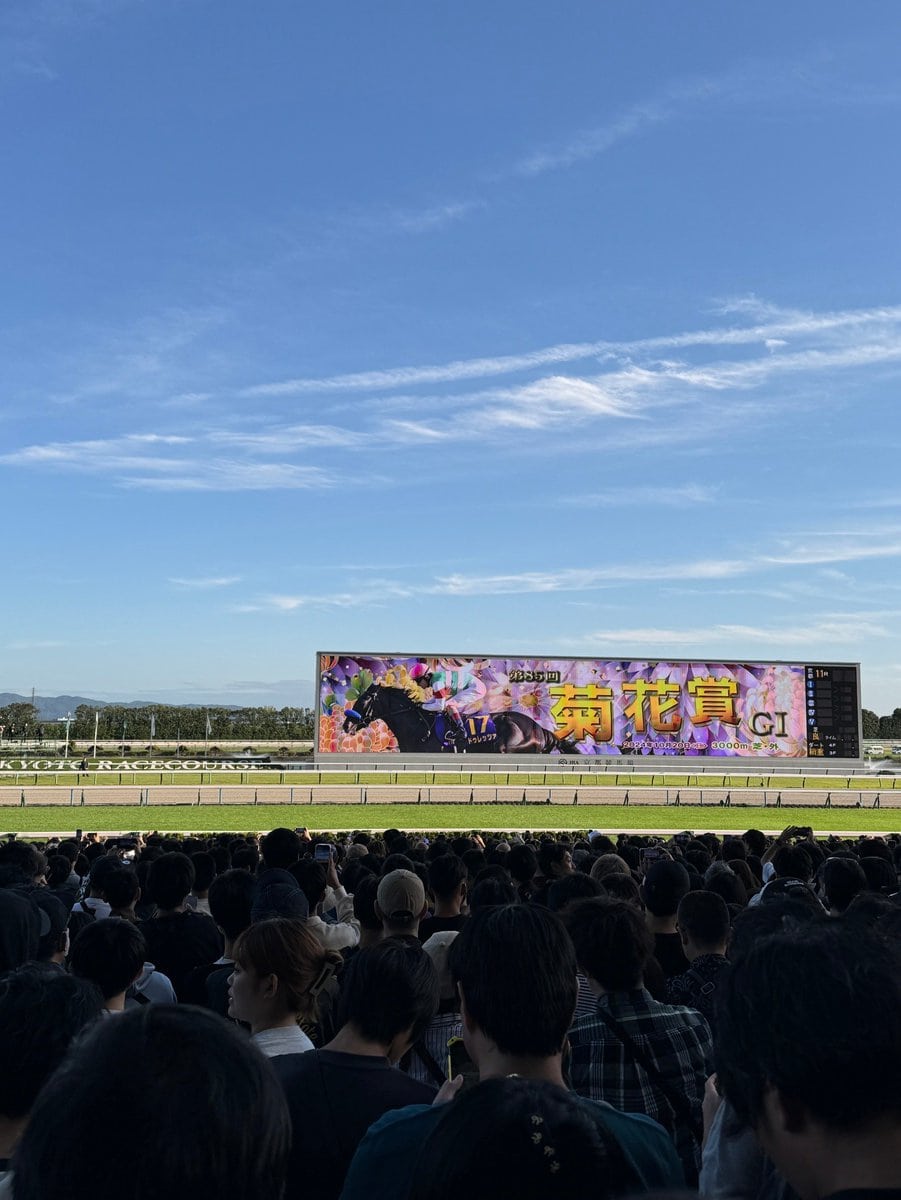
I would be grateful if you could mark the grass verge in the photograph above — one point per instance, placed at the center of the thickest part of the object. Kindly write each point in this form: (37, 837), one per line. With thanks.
(338, 818)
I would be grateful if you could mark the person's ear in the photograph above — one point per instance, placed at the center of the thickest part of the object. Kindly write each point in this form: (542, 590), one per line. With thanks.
(783, 1114)
(270, 985)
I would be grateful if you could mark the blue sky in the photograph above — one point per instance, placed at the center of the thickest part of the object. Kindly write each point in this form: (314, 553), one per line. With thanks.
(503, 328)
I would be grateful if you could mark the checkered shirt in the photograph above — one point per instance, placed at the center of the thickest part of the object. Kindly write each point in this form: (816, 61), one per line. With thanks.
(676, 1040)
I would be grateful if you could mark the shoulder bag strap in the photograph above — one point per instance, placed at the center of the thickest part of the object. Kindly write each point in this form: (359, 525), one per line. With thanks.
(678, 1101)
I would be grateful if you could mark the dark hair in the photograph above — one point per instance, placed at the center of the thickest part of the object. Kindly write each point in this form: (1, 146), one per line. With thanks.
(792, 862)
(842, 878)
(280, 848)
(551, 854)
(734, 847)
(755, 840)
(523, 1138)
(41, 1011)
(664, 886)
(517, 972)
(445, 875)
(843, 991)
(491, 892)
(144, 1071)
(204, 870)
(752, 925)
(170, 879)
(704, 917)
(110, 953)
(881, 875)
(572, 887)
(312, 877)
(284, 947)
(611, 941)
(59, 868)
(474, 861)
(387, 989)
(231, 900)
(121, 887)
(397, 862)
(365, 894)
(522, 863)
(246, 858)
(22, 859)
(727, 885)
(623, 887)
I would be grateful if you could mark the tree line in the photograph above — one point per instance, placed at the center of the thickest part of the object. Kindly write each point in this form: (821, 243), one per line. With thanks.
(881, 727)
(164, 722)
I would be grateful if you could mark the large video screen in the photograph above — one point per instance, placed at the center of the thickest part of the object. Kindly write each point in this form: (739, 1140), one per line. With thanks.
(431, 705)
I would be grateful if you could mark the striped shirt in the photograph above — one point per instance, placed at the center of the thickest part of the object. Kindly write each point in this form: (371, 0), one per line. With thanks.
(677, 1041)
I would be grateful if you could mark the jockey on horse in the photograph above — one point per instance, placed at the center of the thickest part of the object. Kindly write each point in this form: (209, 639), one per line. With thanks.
(447, 690)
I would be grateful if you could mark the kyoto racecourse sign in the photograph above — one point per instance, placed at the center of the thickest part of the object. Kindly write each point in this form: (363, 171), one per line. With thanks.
(156, 764)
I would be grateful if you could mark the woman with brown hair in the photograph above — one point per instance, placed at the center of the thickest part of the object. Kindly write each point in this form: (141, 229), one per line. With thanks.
(280, 969)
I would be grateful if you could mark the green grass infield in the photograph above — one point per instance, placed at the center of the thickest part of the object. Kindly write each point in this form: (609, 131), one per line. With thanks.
(338, 818)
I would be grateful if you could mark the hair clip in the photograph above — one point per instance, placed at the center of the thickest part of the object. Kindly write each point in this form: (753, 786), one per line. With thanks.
(322, 979)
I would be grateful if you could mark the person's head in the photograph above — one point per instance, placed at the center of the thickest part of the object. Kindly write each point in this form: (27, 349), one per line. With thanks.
(312, 878)
(170, 880)
(840, 880)
(515, 973)
(54, 943)
(280, 848)
(447, 877)
(101, 868)
(756, 842)
(570, 888)
(823, 1066)
(280, 969)
(365, 894)
(59, 868)
(703, 922)
(231, 900)
(623, 887)
(246, 858)
(665, 883)
(41, 1011)
(522, 863)
(490, 892)
(608, 864)
(524, 1138)
(726, 884)
(400, 902)
(792, 862)
(611, 941)
(142, 1073)
(122, 889)
(110, 954)
(880, 874)
(554, 859)
(734, 847)
(389, 995)
(21, 862)
(204, 871)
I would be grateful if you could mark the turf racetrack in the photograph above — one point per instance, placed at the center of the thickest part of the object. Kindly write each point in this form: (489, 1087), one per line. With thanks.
(339, 818)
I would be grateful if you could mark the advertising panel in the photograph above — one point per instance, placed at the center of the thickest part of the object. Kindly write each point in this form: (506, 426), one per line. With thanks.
(426, 704)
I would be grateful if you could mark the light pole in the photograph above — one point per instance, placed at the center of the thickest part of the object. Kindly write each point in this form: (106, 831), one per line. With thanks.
(67, 721)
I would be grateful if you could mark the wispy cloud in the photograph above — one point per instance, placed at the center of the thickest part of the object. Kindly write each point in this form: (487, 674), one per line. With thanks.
(210, 581)
(668, 497)
(817, 631)
(25, 644)
(782, 324)
(719, 379)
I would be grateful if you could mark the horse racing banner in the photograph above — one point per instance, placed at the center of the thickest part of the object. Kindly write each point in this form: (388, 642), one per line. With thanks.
(424, 704)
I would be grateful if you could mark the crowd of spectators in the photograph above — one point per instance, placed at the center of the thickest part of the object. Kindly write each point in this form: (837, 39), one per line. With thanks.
(450, 1016)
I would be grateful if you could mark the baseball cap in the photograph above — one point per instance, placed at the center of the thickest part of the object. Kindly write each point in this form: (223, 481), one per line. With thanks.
(401, 897)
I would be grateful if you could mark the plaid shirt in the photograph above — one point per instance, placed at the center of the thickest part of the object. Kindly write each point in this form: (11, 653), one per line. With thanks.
(676, 1040)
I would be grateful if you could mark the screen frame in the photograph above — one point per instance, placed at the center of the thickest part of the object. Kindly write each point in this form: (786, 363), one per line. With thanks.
(604, 762)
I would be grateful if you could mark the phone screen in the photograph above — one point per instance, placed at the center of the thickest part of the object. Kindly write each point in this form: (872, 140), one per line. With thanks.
(323, 852)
